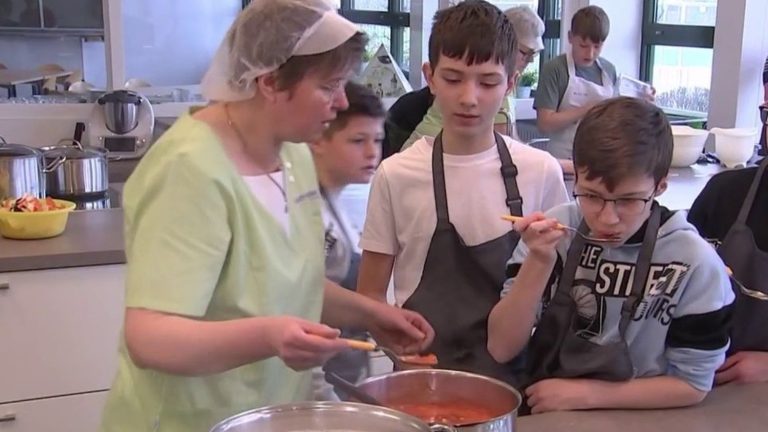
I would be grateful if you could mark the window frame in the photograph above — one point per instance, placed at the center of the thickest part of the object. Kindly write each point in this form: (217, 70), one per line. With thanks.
(552, 26)
(676, 35)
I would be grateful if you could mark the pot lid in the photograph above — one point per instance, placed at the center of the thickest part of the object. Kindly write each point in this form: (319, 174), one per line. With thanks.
(121, 96)
(12, 150)
(74, 151)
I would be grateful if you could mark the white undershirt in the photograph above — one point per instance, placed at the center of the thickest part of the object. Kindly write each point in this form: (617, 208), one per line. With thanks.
(269, 195)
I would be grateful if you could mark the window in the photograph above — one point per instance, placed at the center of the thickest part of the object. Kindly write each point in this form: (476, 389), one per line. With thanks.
(676, 55)
(385, 21)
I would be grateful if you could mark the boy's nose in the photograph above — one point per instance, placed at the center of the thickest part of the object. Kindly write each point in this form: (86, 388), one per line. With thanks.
(468, 95)
(608, 214)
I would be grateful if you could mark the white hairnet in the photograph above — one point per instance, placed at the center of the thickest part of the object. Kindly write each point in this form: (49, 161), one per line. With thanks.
(264, 36)
(528, 26)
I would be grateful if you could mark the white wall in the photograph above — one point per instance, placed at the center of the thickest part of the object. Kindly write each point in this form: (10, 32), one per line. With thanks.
(622, 48)
(172, 42)
(29, 52)
(741, 44)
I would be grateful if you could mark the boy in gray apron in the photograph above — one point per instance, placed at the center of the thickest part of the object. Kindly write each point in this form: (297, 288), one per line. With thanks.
(732, 210)
(434, 213)
(637, 321)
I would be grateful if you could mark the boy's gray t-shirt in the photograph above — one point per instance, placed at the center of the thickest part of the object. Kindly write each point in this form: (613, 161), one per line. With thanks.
(553, 80)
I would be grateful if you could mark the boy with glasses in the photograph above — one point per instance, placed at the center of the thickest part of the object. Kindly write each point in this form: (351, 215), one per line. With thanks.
(636, 319)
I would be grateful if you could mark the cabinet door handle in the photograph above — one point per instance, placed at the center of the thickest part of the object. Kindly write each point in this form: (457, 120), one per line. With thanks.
(7, 418)
(4, 286)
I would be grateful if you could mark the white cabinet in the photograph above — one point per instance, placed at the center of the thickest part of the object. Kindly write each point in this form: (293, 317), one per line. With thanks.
(79, 413)
(59, 332)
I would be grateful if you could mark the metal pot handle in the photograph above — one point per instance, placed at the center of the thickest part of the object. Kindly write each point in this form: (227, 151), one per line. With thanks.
(70, 140)
(2, 139)
(55, 164)
(112, 157)
(437, 427)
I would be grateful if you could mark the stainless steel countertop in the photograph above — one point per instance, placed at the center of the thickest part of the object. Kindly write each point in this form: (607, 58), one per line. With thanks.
(733, 407)
(92, 237)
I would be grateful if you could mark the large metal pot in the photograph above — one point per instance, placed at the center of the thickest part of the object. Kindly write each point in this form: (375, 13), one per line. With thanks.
(445, 392)
(326, 417)
(21, 170)
(76, 170)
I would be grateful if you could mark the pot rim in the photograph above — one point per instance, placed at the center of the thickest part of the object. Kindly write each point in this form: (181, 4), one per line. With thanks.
(236, 419)
(26, 151)
(448, 372)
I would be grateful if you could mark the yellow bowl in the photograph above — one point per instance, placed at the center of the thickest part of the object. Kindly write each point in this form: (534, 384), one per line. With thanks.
(35, 225)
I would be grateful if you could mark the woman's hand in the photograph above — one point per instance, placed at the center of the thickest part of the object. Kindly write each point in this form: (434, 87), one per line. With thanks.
(303, 344)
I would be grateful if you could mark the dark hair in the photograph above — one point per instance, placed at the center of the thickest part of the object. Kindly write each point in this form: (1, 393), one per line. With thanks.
(362, 103)
(348, 55)
(623, 137)
(475, 31)
(591, 23)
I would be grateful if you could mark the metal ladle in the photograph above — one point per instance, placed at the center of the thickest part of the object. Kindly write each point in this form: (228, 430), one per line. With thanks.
(351, 389)
(566, 228)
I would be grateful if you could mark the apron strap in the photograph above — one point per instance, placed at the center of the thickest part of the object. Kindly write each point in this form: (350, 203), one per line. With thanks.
(642, 268)
(438, 182)
(750, 199)
(563, 292)
(509, 174)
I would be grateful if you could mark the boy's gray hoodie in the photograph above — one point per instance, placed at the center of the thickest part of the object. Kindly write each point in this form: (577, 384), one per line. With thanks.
(679, 327)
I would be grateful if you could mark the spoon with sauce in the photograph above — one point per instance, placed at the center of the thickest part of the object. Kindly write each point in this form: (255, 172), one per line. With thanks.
(400, 361)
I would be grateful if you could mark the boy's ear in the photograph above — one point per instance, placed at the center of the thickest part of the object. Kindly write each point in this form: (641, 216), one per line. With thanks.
(570, 37)
(662, 187)
(426, 70)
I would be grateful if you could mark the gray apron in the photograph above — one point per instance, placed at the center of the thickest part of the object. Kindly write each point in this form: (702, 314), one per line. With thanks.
(351, 365)
(460, 284)
(556, 351)
(748, 263)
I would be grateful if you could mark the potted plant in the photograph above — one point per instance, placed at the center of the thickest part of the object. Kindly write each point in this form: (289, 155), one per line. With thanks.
(527, 79)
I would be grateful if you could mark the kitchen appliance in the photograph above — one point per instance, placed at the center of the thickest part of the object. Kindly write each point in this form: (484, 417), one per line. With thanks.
(122, 122)
(81, 171)
(325, 417)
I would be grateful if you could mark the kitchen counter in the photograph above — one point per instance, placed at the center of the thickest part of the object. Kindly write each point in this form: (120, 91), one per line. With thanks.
(729, 408)
(93, 237)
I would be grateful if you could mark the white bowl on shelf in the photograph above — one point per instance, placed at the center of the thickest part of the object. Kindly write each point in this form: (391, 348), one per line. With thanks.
(688, 144)
(735, 147)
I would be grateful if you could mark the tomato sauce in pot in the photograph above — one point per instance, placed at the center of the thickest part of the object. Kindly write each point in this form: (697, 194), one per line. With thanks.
(448, 413)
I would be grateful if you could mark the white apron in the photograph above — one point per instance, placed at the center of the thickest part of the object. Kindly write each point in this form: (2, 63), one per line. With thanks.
(580, 92)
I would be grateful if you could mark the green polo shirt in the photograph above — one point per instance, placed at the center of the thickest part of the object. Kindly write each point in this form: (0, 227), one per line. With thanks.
(200, 245)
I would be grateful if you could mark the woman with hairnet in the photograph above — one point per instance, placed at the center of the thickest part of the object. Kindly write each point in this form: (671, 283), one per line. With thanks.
(224, 236)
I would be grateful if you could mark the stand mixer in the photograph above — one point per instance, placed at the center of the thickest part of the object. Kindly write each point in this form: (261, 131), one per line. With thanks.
(122, 122)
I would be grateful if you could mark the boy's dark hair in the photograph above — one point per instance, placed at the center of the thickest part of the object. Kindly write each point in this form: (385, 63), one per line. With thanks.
(345, 56)
(362, 102)
(474, 31)
(621, 138)
(591, 23)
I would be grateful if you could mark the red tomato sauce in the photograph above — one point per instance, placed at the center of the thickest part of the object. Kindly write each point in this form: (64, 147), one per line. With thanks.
(450, 413)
